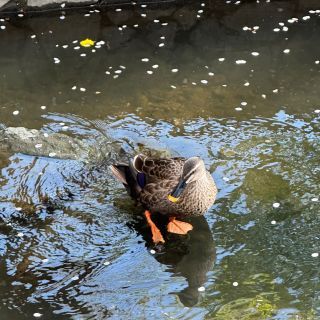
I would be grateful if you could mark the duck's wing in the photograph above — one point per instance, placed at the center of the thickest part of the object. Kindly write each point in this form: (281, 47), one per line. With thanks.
(158, 168)
(155, 196)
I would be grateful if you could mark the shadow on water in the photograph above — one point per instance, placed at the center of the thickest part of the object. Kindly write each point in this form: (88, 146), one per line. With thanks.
(191, 256)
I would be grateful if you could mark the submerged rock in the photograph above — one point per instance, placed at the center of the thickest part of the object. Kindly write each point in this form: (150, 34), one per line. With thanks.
(37, 143)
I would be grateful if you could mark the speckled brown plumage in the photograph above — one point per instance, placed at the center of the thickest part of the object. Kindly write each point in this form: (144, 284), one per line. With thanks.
(161, 177)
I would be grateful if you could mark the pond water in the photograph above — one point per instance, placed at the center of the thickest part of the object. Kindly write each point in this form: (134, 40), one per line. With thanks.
(235, 83)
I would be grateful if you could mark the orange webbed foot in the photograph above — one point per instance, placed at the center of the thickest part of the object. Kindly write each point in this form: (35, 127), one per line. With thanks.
(156, 234)
(179, 227)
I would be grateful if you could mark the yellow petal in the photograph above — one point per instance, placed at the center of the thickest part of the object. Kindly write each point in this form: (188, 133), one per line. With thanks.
(87, 43)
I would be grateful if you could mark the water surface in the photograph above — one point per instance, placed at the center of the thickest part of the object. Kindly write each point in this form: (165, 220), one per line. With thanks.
(226, 85)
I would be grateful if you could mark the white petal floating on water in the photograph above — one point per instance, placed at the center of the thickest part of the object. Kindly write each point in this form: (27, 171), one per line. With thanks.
(173, 87)
(83, 55)
(244, 103)
(145, 59)
(276, 205)
(246, 84)
(211, 74)
(286, 51)
(306, 18)
(201, 289)
(56, 60)
(83, 89)
(275, 90)
(156, 21)
(62, 17)
(37, 315)
(221, 59)
(76, 48)
(245, 28)
(241, 61)
(276, 30)
(155, 66)
(143, 15)
(161, 44)
(285, 29)
(235, 283)
(317, 62)
(238, 109)
(273, 222)
(315, 255)
(118, 71)
(255, 54)
(263, 96)
(314, 199)
(204, 81)
(149, 72)
(62, 5)
(15, 113)
(74, 88)
(174, 70)
(152, 251)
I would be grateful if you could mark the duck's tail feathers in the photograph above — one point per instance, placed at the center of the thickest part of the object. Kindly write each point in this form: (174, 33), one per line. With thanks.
(129, 177)
(119, 171)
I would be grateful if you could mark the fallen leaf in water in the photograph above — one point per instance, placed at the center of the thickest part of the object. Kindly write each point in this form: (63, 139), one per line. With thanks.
(87, 43)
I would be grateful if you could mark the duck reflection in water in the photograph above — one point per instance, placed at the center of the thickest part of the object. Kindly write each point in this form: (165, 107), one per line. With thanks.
(191, 256)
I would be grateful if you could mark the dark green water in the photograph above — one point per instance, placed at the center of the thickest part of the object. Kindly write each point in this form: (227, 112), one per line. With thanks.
(88, 256)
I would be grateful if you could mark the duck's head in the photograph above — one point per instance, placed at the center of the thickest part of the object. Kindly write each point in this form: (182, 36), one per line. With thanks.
(193, 170)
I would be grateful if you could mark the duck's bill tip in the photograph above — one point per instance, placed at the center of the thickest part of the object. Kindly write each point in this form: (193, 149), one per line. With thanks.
(172, 198)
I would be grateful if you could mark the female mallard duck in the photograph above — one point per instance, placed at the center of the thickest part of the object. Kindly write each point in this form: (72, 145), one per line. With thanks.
(176, 187)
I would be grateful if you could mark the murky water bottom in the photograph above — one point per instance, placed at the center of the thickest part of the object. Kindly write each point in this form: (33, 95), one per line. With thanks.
(85, 252)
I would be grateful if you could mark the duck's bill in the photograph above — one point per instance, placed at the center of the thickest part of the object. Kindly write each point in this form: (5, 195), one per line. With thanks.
(177, 191)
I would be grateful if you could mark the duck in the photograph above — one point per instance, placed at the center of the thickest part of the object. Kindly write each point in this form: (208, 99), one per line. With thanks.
(175, 187)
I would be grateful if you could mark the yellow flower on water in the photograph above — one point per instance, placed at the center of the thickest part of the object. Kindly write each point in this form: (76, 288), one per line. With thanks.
(87, 43)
